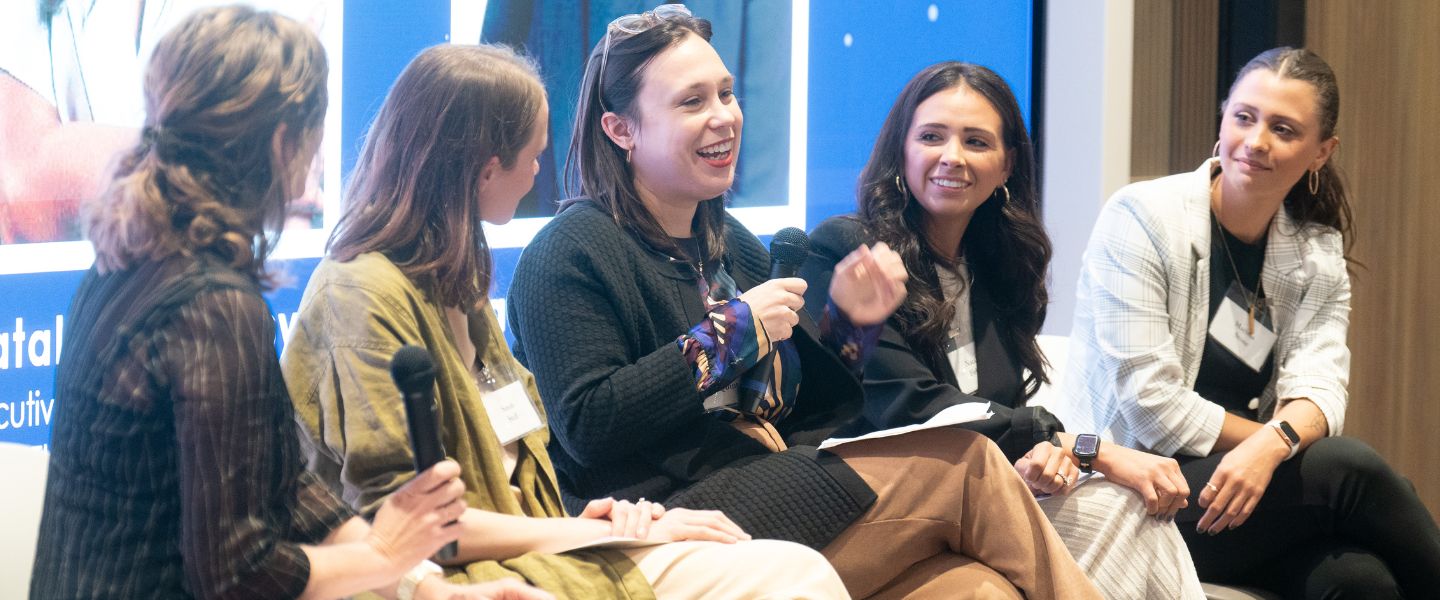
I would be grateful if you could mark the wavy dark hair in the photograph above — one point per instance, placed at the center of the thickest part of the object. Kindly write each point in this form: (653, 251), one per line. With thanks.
(1004, 245)
(595, 167)
(203, 178)
(413, 196)
(1331, 206)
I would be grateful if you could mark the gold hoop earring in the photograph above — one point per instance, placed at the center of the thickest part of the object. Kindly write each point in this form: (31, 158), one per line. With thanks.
(1216, 151)
(1314, 183)
(1005, 189)
(900, 185)
(627, 155)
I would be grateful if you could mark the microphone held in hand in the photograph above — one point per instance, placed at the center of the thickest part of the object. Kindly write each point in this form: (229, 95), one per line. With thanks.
(788, 251)
(414, 373)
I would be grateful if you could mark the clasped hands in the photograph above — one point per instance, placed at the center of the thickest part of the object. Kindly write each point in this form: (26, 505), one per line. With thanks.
(645, 520)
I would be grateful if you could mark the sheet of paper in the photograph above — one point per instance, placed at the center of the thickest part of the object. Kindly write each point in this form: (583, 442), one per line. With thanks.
(613, 541)
(955, 415)
(1084, 477)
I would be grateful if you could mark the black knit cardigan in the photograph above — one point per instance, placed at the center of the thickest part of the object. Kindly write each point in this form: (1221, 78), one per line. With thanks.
(595, 314)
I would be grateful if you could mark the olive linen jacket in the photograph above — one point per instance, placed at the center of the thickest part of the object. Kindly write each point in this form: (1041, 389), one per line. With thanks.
(352, 319)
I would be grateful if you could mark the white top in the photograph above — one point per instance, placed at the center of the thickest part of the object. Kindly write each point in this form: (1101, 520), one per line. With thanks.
(960, 345)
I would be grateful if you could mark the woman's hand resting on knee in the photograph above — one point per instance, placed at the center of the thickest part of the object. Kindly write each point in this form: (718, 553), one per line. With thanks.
(645, 520)
(627, 519)
(680, 524)
(1048, 470)
(1240, 481)
(1156, 478)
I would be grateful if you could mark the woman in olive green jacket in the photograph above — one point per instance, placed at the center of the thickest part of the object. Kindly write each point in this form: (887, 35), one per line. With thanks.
(455, 144)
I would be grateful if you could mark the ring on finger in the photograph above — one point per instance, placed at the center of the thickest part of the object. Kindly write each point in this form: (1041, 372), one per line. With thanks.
(1068, 481)
(1212, 487)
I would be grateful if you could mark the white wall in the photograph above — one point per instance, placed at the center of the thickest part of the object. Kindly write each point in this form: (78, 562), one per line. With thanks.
(1088, 67)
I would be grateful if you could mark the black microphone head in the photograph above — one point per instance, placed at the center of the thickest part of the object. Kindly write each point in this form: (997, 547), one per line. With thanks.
(412, 369)
(790, 247)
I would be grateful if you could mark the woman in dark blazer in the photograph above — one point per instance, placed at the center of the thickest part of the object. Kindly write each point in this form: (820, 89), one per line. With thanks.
(950, 186)
(645, 314)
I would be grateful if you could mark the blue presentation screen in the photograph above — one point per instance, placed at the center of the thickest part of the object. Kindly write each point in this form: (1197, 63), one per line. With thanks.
(815, 80)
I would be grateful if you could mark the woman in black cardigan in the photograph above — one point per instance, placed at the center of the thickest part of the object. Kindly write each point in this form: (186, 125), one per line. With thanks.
(627, 308)
(950, 186)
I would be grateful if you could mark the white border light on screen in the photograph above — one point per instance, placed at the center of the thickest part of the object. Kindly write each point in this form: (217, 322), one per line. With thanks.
(77, 256)
(467, 19)
(466, 15)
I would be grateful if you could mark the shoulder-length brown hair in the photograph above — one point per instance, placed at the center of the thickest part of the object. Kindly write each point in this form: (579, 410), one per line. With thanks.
(203, 178)
(596, 168)
(1005, 245)
(415, 193)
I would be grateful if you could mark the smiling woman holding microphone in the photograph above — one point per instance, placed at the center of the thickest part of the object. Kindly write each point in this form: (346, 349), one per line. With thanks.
(645, 311)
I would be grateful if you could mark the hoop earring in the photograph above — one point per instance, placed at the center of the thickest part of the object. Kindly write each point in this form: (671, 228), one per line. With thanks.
(1005, 189)
(1314, 182)
(627, 155)
(900, 185)
(1215, 151)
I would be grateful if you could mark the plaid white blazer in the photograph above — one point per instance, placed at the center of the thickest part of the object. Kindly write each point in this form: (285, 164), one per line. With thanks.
(1142, 317)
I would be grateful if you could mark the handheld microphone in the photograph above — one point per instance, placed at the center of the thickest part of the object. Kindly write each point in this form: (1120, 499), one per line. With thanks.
(414, 373)
(788, 250)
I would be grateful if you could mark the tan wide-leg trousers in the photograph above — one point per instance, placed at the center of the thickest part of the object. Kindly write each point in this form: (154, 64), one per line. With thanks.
(953, 520)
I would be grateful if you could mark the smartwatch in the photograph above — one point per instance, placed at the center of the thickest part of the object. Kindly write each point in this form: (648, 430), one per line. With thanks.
(412, 578)
(1087, 447)
(1288, 434)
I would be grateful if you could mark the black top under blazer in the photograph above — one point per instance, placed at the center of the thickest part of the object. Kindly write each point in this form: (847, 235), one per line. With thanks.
(905, 384)
(596, 314)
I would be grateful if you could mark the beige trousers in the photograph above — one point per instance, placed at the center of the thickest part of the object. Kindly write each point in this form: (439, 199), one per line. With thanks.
(769, 569)
(953, 520)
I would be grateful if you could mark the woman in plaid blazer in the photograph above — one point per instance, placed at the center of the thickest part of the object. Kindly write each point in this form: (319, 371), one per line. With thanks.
(1210, 325)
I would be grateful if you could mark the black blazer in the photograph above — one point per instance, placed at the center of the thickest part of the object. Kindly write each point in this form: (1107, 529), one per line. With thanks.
(905, 384)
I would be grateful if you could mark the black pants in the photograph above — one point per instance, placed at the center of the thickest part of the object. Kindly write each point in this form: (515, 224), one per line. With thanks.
(1335, 522)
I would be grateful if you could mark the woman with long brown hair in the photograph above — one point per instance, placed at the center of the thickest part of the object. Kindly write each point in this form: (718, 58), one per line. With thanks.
(1211, 322)
(455, 145)
(174, 470)
(950, 186)
(673, 370)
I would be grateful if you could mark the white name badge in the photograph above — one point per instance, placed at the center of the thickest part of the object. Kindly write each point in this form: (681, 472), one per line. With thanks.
(1231, 327)
(512, 416)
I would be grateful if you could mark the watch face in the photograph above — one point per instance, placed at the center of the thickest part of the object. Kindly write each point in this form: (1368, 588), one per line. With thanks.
(1289, 432)
(1087, 444)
